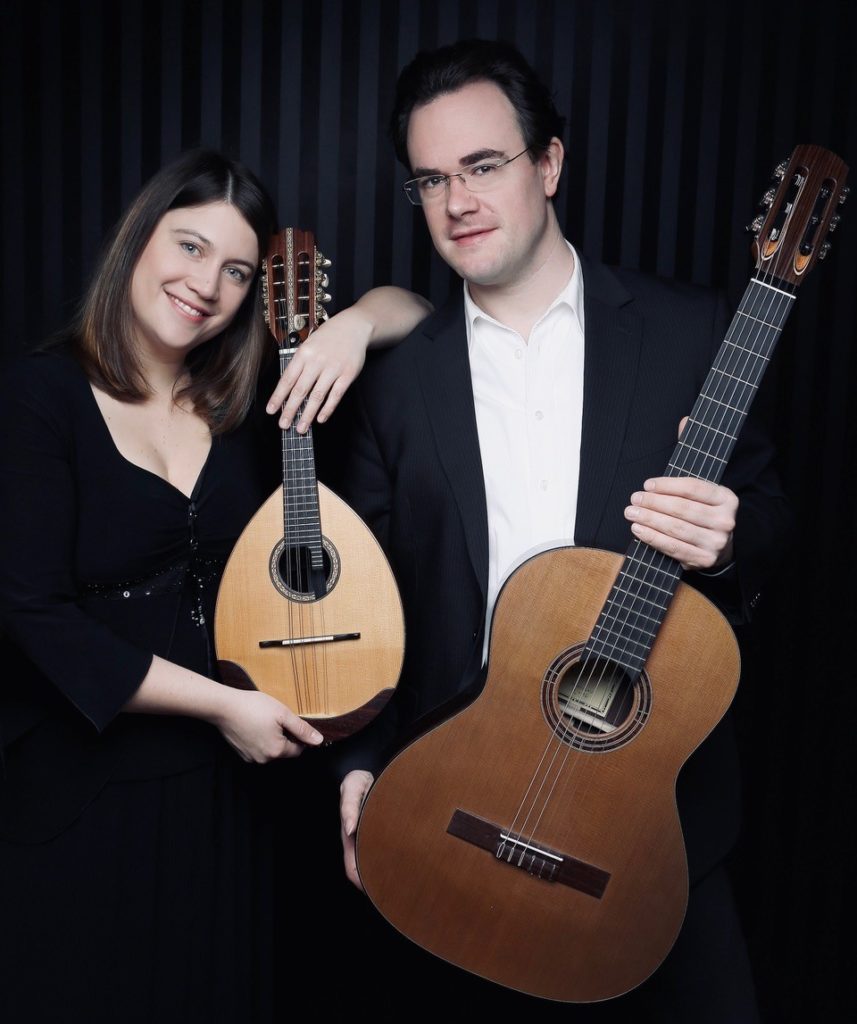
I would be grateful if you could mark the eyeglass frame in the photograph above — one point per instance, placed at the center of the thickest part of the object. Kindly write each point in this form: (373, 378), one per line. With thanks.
(412, 184)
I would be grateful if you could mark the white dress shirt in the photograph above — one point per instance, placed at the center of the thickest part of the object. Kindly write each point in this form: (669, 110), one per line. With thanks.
(529, 411)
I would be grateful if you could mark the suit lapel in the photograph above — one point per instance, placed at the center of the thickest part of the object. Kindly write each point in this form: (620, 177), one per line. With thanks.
(444, 370)
(613, 339)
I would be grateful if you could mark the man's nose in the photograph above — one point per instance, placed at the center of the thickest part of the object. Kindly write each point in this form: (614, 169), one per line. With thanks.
(459, 198)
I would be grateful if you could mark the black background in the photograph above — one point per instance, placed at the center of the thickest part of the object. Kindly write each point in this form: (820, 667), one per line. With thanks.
(677, 115)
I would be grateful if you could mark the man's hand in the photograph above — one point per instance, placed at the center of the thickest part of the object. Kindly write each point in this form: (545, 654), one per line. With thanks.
(352, 793)
(689, 520)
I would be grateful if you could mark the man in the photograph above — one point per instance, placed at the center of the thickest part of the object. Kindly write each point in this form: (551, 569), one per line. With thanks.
(538, 407)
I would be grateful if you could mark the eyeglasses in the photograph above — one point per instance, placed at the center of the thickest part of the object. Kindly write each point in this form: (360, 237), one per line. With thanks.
(478, 177)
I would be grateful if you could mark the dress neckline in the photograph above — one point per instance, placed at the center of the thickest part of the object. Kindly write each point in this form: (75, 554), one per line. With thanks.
(135, 465)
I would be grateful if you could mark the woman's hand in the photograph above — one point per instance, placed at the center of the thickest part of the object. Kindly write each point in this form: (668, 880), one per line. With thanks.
(322, 369)
(259, 728)
(326, 364)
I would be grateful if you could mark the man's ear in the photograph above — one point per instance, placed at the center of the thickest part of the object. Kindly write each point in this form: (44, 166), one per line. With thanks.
(550, 163)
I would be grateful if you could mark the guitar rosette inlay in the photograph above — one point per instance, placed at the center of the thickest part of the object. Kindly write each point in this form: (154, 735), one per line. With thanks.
(592, 703)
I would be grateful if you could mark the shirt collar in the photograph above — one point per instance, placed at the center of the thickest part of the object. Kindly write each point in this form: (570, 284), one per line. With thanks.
(570, 296)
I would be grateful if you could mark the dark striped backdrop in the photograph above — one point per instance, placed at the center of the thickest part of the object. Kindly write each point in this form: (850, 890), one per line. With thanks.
(677, 114)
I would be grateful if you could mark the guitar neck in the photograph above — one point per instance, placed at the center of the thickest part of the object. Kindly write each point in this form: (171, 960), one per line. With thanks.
(722, 406)
(632, 615)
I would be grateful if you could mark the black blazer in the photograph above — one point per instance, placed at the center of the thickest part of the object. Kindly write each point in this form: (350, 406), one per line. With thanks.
(413, 470)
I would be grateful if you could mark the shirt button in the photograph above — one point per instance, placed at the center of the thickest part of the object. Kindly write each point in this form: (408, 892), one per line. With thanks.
(519, 353)
(543, 485)
(539, 414)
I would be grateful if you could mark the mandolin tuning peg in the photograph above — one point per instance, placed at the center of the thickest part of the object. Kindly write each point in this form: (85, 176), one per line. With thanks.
(843, 195)
(324, 297)
(322, 280)
(300, 321)
(321, 314)
(321, 261)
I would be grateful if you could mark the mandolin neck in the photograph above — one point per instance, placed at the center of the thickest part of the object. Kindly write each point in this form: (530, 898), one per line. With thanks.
(635, 608)
(301, 516)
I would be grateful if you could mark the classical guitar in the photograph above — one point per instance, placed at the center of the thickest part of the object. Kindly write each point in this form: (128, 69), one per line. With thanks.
(533, 837)
(308, 609)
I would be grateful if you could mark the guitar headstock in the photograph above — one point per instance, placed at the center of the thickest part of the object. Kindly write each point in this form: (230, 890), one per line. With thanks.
(800, 212)
(294, 284)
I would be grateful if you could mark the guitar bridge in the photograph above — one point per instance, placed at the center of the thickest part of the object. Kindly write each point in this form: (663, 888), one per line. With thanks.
(537, 860)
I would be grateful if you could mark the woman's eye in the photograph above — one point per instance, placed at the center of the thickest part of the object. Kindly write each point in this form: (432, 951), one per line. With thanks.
(191, 248)
(236, 274)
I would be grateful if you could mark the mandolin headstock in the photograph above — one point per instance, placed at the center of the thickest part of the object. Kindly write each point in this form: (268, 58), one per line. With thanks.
(294, 284)
(799, 213)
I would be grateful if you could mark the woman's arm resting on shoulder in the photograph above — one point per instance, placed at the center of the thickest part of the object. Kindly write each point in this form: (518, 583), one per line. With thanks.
(329, 360)
(257, 726)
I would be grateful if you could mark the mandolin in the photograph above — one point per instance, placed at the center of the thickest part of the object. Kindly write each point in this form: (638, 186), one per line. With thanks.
(308, 610)
(542, 847)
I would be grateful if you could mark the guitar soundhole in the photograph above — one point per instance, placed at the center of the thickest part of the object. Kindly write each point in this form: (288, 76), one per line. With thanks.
(593, 703)
(292, 574)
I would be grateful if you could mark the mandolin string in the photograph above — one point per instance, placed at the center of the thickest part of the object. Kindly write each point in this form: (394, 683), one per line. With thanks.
(314, 610)
(288, 534)
(737, 371)
(282, 318)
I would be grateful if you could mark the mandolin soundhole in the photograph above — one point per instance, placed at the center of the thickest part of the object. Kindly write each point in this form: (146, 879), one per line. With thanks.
(292, 574)
(593, 703)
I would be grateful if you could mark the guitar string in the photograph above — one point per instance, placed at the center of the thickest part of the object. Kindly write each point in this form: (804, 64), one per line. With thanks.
(693, 431)
(636, 547)
(700, 455)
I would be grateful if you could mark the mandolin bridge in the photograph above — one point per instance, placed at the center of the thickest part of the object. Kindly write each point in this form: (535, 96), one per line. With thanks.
(534, 858)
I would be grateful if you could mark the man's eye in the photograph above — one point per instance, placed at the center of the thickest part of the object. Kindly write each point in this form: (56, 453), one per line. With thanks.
(480, 170)
(432, 182)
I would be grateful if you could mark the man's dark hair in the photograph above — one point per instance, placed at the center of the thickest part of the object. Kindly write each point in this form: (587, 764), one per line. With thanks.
(435, 72)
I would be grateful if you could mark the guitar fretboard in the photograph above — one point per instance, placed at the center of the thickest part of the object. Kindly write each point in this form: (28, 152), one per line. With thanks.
(640, 597)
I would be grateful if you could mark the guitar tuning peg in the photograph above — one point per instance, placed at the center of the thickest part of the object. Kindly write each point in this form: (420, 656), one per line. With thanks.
(755, 225)
(768, 198)
(324, 297)
(322, 280)
(780, 170)
(843, 195)
(321, 261)
(824, 250)
(300, 321)
(321, 314)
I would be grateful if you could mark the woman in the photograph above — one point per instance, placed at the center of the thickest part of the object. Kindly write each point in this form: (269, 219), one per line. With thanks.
(134, 852)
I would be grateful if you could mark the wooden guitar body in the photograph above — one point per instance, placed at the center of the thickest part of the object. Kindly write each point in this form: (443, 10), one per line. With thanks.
(337, 684)
(595, 933)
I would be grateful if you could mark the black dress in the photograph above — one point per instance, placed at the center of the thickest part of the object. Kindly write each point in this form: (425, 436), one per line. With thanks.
(134, 849)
